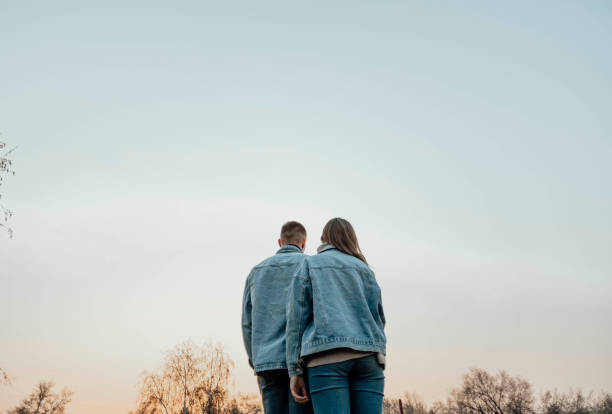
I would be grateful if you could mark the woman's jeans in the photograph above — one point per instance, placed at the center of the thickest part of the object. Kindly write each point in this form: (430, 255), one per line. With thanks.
(276, 396)
(350, 387)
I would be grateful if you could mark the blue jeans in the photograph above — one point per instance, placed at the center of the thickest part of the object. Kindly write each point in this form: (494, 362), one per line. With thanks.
(350, 387)
(276, 396)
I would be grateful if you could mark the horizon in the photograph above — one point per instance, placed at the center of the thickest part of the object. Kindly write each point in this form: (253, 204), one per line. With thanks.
(161, 148)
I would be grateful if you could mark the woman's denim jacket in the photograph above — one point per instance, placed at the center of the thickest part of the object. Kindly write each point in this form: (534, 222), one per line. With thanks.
(263, 308)
(334, 302)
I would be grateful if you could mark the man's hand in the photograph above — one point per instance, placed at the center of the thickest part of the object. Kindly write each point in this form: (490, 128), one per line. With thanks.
(298, 389)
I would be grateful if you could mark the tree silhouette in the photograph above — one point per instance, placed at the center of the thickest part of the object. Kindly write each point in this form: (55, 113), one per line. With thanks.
(483, 393)
(44, 401)
(574, 402)
(193, 379)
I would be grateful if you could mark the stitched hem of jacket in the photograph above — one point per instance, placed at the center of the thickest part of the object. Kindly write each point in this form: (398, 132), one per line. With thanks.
(326, 344)
(271, 365)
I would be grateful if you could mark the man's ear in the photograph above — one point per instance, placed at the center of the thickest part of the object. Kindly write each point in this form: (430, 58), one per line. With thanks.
(303, 245)
(280, 243)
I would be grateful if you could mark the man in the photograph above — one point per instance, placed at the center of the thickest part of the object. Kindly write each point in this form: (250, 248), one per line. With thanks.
(263, 320)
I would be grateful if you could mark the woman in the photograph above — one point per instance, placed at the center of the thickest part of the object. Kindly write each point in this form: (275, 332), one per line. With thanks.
(335, 328)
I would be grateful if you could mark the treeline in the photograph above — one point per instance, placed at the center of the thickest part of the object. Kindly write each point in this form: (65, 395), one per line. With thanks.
(485, 393)
(194, 379)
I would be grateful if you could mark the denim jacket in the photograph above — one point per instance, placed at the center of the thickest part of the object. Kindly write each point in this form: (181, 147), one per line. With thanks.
(263, 308)
(334, 302)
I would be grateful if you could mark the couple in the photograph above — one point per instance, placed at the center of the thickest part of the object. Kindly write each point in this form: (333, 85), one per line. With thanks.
(313, 326)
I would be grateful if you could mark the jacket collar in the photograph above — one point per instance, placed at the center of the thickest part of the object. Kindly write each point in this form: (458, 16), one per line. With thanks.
(289, 248)
(325, 247)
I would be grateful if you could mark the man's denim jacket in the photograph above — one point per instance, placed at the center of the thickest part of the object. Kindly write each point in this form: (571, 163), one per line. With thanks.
(334, 302)
(263, 308)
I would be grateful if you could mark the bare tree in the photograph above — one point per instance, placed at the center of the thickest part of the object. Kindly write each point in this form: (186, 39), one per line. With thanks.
(192, 380)
(155, 395)
(182, 368)
(483, 393)
(6, 168)
(574, 402)
(604, 404)
(213, 379)
(44, 401)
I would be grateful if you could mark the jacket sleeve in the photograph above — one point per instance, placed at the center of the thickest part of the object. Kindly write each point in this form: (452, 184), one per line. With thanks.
(381, 312)
(299, 314)
(247, 326)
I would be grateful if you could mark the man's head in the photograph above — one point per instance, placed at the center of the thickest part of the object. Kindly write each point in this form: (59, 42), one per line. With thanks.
(293, 232)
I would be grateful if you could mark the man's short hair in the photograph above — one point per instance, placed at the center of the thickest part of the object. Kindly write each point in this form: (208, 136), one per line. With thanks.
(292, 232)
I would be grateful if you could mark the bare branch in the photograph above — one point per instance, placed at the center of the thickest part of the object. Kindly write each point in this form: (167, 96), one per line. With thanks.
(44, 401)
(6, 168)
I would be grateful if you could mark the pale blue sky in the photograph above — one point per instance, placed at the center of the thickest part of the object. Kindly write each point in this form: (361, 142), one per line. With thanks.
(162, 145)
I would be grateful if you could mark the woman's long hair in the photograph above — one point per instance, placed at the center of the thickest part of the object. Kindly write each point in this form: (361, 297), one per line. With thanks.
(340, 233)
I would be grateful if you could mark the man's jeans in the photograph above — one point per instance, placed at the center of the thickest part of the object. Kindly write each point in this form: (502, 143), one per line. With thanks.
(276, 396)
(350, 387)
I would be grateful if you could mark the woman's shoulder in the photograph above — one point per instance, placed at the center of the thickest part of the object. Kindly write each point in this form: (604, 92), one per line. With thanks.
(336, 259)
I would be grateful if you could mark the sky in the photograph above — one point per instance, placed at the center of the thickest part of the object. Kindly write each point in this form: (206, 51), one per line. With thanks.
(161, 145)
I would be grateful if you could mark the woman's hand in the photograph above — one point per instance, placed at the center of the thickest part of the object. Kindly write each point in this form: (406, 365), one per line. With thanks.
(298, 389)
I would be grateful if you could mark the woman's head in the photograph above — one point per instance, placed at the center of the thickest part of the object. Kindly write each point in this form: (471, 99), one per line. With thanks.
(339, 233)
